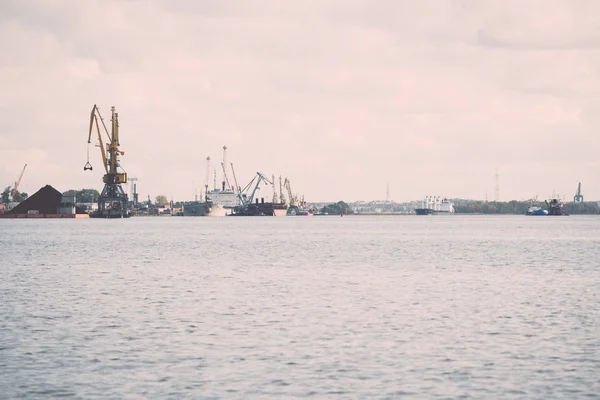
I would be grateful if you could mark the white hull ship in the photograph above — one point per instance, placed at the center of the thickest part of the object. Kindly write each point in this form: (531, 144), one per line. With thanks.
(435, 205)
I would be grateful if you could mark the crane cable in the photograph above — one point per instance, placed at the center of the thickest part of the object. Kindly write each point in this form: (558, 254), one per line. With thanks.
(87, 165)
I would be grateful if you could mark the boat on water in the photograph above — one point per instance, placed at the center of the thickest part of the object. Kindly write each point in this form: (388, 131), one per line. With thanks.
(301, 212)
(535, 210)
(555, 207)
(261, 208)
(433, 205)
(203, 209)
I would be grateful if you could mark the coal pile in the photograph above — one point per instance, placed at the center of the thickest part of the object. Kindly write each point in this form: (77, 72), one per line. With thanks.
(46, 201)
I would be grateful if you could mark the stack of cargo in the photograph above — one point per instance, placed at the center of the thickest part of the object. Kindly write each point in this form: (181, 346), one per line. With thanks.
(46, 203)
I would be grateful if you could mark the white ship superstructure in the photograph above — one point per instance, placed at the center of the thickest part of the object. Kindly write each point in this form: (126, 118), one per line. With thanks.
(226, 198)
(437, 204)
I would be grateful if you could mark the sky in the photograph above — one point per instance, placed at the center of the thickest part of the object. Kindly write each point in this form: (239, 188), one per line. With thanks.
(343, 97)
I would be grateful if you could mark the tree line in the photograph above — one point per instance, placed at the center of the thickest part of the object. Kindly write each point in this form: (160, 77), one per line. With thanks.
(520, 207)
(17, 198)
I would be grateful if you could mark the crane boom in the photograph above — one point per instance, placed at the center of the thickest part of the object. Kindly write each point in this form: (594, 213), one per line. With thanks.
(225, 175)
(17, 182)
(95, 114)
(261, 177)
(223, 163)
(293, 199)
(274, 190)
(281, 196)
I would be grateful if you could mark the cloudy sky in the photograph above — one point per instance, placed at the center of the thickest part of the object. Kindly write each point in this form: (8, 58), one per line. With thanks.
(341, 96)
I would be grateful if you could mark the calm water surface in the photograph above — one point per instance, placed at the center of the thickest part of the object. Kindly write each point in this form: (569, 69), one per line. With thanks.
(324, 307)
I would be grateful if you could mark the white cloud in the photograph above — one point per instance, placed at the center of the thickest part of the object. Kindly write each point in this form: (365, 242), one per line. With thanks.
(341, 96)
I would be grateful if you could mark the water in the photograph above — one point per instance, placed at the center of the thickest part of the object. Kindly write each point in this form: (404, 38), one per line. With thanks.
(324, 307)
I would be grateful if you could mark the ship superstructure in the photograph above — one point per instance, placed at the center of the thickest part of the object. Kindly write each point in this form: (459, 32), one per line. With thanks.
(434, 205)
(223, 195)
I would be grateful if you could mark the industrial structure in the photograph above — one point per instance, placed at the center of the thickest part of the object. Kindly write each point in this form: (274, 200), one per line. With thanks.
(578, 198)
(112, 202)
(12, 189)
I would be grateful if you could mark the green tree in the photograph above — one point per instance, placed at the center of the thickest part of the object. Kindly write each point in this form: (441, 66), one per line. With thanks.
(6, 195)
(161, 200)
(337, 208)
(83, 195)
(20, 196)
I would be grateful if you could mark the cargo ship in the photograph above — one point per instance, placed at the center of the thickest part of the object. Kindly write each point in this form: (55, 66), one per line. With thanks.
(555, 207)
(261, 208)
(434, 205)
(203, 209)
(535, 210)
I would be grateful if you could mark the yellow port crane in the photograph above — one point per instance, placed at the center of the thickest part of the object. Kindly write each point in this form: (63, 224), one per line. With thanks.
(110, 155)
(112, 202)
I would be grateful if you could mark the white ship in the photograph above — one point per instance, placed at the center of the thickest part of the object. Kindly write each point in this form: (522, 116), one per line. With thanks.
(223, 198)
(434, 205)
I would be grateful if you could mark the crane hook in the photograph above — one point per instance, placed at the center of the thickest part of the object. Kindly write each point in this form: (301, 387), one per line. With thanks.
(88, 166)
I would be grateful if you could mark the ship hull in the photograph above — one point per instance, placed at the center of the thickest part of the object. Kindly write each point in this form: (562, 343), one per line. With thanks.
(198, 209)
(424, 211)
(261, 209)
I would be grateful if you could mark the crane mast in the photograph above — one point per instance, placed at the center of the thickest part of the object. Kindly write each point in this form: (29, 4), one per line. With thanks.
(274, 189)
(207, 177)
(225, 178)
(112, 202)
(293, 199)
(578, 198)
(17, 183)
(281, 196)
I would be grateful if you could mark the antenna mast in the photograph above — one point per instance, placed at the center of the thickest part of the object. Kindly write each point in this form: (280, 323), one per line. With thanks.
(206, 181)
(281, 196)
(274, 189)
(223, 164)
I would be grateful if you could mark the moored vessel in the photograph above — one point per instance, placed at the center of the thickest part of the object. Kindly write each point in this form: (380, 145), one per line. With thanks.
(434, 205)
(556, 207)
(203, 209)
(535, 210)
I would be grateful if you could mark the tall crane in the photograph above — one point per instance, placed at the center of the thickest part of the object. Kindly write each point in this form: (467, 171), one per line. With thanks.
(281, 196)
(112, 202)
(17, 183)
(225, 183)
(207, 177)
(578, 196)
(293, 199)
(261, 178)
(274, 189)
(12, 189)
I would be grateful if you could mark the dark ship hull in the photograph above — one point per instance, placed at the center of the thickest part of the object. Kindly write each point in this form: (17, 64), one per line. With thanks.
(261, 209)
(424, 211)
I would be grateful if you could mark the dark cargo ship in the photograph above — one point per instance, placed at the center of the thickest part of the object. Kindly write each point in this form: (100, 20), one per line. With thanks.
(261, 209)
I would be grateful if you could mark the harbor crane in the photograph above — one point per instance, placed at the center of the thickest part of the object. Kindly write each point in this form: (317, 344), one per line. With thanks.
(281, 196)
(246, 199)
(13, 191)
(225, 178)
(274, 189)
(578, 196)
(293, 199)
(112, 202)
